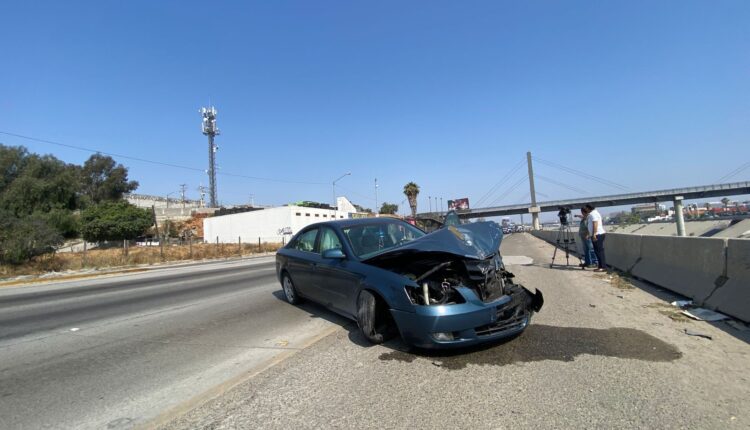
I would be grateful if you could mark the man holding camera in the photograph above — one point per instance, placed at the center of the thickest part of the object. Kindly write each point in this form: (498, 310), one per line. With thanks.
(596, 230)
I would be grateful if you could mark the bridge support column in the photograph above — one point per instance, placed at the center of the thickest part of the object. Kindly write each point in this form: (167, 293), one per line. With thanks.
(679, 216)
(534, 210)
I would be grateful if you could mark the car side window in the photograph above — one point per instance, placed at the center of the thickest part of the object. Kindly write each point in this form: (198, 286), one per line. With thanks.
(329, 240)
(306, 241)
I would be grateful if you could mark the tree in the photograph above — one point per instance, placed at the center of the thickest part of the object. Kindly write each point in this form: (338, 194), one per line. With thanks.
(411, 191)
(114, 221)
(38, 184)
(24, 238)
(388, 208)
(102, 179)
(362, 209)
(725, 201)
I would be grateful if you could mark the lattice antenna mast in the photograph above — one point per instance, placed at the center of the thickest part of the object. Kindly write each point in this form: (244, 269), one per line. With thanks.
(210, 130)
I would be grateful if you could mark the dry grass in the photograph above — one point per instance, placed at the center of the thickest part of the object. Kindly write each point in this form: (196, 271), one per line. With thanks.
(617, 280)
(106, 258)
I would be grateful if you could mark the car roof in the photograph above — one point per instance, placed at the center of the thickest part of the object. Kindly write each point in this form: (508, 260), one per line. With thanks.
(352, 222)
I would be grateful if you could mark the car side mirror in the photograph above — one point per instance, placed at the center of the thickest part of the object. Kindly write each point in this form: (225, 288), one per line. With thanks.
(335, 253)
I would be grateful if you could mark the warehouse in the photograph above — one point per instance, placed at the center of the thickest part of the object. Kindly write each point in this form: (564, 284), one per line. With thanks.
(271, 225)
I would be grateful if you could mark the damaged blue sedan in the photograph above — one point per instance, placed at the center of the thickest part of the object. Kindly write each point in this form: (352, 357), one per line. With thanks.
(448, 288)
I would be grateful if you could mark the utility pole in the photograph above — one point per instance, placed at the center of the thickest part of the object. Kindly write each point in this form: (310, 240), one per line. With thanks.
(210, 130)
(534, 209)
(429, 199)
(183, 187)
(252, 200)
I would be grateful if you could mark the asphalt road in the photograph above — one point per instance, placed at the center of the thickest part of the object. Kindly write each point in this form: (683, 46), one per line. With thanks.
(118, 352)
(601, 354)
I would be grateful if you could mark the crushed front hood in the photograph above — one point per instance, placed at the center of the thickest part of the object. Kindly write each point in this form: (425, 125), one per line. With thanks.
(476, 241)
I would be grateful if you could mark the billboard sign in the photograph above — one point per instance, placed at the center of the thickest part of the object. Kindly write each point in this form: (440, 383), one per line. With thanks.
(458, 204)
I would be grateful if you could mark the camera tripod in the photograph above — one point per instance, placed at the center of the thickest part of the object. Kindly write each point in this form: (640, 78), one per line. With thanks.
(566, 238)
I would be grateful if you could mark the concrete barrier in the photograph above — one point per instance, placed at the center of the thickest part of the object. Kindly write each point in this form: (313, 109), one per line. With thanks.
(623, 250)
(733, 298)
(691, 266)
(714, 272)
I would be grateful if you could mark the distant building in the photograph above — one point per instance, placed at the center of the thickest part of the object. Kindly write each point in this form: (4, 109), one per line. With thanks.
(272, 225)
(648, 210)
(167, 208)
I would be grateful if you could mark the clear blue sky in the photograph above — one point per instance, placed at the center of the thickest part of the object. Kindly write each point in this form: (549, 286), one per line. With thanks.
(450, 95)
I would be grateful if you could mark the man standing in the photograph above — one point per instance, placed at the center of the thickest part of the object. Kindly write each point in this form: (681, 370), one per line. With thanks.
(589, 257)
(598, 234)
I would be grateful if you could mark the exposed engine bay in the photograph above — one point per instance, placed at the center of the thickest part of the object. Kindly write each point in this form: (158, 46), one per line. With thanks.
(457, 257)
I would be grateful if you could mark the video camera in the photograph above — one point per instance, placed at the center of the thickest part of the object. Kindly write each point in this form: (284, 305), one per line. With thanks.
(562, 213)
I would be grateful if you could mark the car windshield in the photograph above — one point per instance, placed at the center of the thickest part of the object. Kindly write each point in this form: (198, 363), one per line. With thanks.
(369, 239)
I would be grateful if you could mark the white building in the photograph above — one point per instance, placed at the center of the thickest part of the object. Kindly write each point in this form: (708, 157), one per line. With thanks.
(272, 225)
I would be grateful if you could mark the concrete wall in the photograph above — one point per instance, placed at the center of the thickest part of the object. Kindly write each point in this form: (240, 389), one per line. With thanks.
(709, 228)
(738, 230)
(733, 297)
(714, 272)
(691, 266)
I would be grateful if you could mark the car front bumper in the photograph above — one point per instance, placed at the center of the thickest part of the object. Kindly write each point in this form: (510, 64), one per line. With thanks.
(470, 323)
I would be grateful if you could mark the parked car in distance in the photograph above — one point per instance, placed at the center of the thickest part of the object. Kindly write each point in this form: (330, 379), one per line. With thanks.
(444, 289)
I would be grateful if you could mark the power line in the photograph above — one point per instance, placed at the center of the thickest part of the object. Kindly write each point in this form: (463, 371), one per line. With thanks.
(570, 187)
(159, 163)
(734, 172)
(580, 173)
(500, 182)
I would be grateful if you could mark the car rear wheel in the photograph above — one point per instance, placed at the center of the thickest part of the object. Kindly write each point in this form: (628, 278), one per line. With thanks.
(290, 293)
(373, 318)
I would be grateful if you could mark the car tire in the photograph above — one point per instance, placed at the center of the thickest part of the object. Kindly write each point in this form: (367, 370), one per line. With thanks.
(373, 319)
(290, 292)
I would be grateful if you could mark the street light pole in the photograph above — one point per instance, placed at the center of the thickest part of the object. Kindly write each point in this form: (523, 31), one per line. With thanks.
(334, 186)
(377, 209)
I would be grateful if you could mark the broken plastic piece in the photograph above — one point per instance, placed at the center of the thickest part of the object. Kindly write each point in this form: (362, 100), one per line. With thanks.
(682, 304)
(702, 314)
(697, 334)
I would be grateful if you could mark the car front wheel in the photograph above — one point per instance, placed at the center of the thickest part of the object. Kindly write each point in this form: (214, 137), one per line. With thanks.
(373, 318)
(290, 293)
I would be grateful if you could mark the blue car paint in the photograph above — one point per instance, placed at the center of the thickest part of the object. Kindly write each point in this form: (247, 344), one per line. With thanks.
(416, 323)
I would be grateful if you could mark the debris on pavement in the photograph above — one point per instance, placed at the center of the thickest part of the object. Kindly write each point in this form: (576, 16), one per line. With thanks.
(697, 334)
(669, 311)
(702, 314)
(592, 305)
(682, 304)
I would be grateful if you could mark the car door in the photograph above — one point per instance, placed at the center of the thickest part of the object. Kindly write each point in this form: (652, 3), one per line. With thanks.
(333, 276)
(302, 257)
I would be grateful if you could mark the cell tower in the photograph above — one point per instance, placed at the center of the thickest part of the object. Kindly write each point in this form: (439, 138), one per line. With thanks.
(210, 130)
